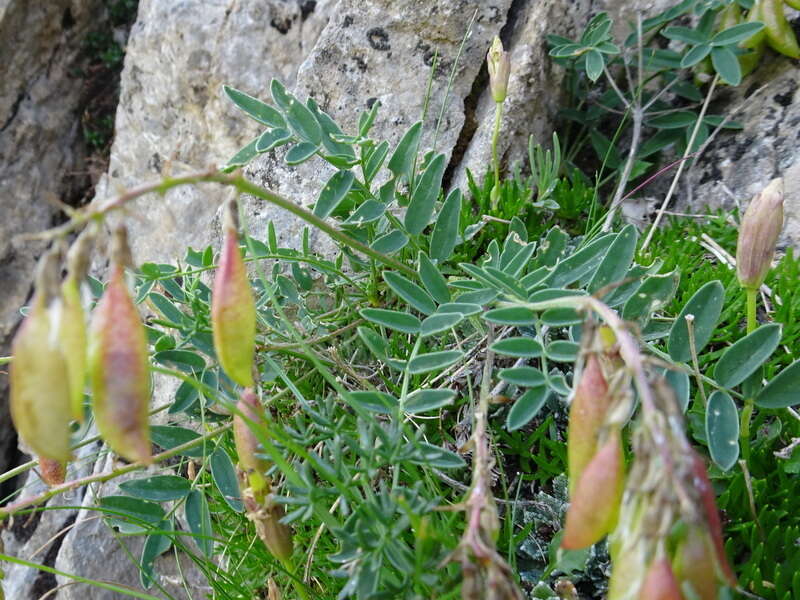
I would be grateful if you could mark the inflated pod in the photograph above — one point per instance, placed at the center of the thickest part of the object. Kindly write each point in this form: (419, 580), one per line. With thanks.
(39, 398)
(595, 505)
(119, 368)
(250, 414)
(233, 309)
(780, 35)
(587, 414)
(660, 582)
(758, 235)
(277, 536)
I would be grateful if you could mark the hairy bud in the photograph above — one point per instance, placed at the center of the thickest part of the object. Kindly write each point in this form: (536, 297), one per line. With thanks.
(233, 310)
(119, 370)
(39, 398)
(247, 445)
(594, 507)
(758, 234)
(499, 65)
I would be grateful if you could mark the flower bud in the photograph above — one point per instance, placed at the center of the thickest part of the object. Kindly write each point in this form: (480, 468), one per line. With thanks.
(233, 309)
(660, 582)
(277, 537)
(53, 472)
(499, 65)
(587, 414)
(119, 368)
(247, 445)
(594, 507)
(39, 400)
(758, 234)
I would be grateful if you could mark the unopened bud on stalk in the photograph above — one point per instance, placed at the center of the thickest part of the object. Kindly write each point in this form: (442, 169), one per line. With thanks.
(758, 234)
(277, 537)
(233, 309)
(247, 445)
(499, 64)
(53, 472)
(39, 398)
(118, 365)
(587, 413)
(594, 507)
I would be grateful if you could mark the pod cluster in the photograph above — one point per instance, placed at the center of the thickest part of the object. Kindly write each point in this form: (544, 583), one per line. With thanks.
(665, 534)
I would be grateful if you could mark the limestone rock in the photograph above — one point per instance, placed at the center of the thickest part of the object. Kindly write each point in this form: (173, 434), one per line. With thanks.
(739, 164)
(40, 98)
(173, 116)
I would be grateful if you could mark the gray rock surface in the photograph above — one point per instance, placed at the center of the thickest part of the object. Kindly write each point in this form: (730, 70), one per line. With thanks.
(40, 99)
(173, 117)
(739, 164)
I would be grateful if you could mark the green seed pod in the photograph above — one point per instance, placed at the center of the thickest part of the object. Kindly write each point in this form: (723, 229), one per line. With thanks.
(758, 235)
(72, 330)
(39, 400)
(53, 472)
(756, 44)
(795, 4)
(247, 445)
(499, 65)
(587, 414)
(780, 35)
(119, 369)
(594, 507)
(694, 564)
(233, 309)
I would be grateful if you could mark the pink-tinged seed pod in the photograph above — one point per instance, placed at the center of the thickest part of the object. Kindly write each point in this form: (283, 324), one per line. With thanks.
(660, 582)
(711, 514)
(247, 445)
(499, 65)
(119, 371)
(233, 309)
(758, 234)
(53, 472)
(587, 414)
(39, 400)
(594, 507)
(695, 565)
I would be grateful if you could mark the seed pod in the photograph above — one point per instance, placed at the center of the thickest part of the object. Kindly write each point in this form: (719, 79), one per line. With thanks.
(754, 44)
(273, 591)
(660, 582)
(119, 369)
(72, 330)
(277, 537)
(780, 35)
(247, 445)
(499, 65)
(587, 414)
(53, 472)
(711, 515)
(39, 400)
(233, 309)
(694, 564)
(758, 234)
(594, 507)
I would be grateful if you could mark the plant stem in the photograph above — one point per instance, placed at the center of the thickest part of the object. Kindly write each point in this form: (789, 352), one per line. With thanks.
(498, 115)
(751, 295)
